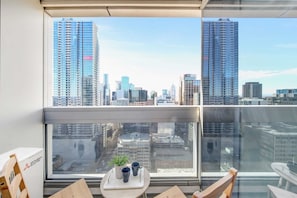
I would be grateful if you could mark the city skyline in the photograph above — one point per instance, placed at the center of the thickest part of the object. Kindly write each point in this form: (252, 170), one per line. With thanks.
(146, 54)
(147, 49)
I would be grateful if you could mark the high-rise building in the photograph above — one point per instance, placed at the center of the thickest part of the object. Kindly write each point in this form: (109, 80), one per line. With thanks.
(137, 146)
(252, 90)
(283, 97)
(137, 95)
(276, 146)
(76, 83)
(221, 141)
(76, 67)
(173, 92)
(220, 62)
(106, 90)
(289, 93)
(122, 91)
(125, 86)
(189, 90)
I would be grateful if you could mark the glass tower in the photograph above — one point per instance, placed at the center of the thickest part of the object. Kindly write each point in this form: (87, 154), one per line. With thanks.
(76, 83)
(106, 90)
(221, 141)
(125, 85)
(220, 62)
(76, 69)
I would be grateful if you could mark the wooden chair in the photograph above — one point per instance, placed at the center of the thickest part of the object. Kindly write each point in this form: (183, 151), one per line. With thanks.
(222, 188)
(12, 183)
(77, 189)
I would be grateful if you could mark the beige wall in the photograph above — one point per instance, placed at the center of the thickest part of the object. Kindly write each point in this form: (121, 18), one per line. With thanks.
(21, 74)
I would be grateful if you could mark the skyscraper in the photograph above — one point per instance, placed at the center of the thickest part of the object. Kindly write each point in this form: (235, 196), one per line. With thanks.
(106, 90)
(172, 92)
(125, 85)
(220, 62)
(220, 87)
(76, 67)
(76, 83)
(189, 90)
(252, 90)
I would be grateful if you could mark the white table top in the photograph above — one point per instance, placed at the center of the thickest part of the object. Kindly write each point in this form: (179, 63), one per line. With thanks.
(283, 171)
(134, 181)
(124, 191)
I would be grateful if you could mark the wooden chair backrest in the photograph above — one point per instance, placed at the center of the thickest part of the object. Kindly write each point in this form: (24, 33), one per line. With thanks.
(12, 183)
(77, 189)
(173, 192)
(222, 188)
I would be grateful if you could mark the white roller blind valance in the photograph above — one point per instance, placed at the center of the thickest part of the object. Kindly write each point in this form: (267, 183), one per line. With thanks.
(170, 8)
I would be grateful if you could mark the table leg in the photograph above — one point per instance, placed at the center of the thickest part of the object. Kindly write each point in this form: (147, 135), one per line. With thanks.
(280, 182)
(287, 187)
(144, 195)
(269, 193)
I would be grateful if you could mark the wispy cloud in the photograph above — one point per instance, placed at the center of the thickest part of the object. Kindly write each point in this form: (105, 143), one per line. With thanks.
(253, 75)
(292, 71)
(249, 75)
(111, 44)
(287, 45)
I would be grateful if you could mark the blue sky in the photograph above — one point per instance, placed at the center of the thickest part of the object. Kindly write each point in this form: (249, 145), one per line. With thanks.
(267, 53)
(155, 52)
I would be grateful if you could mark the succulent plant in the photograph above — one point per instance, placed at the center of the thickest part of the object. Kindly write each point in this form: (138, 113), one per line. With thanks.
(119, 160)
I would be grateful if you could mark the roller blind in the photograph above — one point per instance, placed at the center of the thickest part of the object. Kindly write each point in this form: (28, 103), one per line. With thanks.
(122, 8)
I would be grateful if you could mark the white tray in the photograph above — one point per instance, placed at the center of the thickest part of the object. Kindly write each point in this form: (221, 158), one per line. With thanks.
(134, 181)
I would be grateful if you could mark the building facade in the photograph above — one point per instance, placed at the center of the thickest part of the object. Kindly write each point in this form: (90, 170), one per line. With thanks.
(290, 93)
(106, 90)
(137, 146)
(221, 141)
(137, 95)
(76, 83)
(76, 66)
(252, 90)
(278, 142)
(220, 62)
(283, 97)
(189, 90)
(125, 86)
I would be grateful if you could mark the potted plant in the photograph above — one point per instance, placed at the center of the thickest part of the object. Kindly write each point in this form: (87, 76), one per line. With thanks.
(119, 161)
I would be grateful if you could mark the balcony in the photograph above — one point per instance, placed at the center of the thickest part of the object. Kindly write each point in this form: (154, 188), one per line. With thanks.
(23, 93)
(249, 138)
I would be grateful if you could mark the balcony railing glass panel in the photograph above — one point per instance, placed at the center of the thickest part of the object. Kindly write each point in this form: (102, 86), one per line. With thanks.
(249, 138)
(165, 149)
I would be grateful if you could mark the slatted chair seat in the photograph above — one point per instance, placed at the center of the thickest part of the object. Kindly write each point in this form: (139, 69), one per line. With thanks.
(12, 183)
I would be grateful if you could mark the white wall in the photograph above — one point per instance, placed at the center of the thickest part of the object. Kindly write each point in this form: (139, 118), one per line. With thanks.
(21, 74)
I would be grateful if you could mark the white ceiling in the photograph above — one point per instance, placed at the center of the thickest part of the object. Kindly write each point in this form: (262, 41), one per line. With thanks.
(172, 8)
